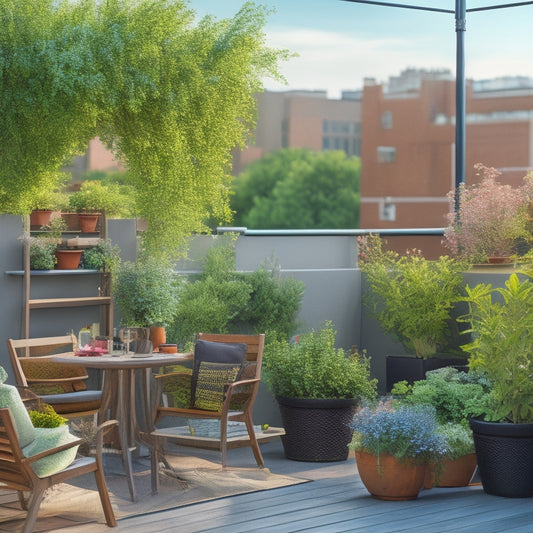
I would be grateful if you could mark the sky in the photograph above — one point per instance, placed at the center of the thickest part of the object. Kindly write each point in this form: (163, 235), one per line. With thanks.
(339, 43)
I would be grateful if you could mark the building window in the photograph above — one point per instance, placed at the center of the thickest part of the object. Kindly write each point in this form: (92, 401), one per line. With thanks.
(387, 211)
(386, 154)
(386, 120)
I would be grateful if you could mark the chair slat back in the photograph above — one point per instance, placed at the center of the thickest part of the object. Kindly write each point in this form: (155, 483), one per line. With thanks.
(255, 345)
(14, 472)
(30, 358)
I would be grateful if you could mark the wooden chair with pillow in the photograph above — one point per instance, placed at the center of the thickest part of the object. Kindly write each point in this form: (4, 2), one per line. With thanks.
(60, 385)
(34, 459)
(222, 386)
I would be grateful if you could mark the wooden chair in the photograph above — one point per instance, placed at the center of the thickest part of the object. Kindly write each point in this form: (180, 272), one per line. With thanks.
(60, 385)
(237, 400)
(16, 472)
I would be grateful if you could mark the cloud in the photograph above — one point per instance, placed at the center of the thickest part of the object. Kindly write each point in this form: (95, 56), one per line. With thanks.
(336, 61)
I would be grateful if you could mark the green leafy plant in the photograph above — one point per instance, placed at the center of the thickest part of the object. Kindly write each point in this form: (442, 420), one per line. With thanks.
(43, 244)
(313, 367)
(105, 256)
(450, 392)
(146, 292)
(46, 417)
(501, 325)
(458, 438)
(225, 301)
(404, 431)
(96, 197)
(171, 95)
(42, 255)
(412, 297)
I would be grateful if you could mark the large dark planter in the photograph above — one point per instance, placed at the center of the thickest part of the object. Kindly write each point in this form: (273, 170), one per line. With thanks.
(504, 457)
(316, 430)
(411, 369)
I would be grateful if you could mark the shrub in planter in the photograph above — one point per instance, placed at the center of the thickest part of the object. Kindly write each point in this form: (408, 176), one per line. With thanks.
(501, 325)
(317, 387)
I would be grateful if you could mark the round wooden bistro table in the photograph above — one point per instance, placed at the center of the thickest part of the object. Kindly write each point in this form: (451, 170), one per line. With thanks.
(119, 398)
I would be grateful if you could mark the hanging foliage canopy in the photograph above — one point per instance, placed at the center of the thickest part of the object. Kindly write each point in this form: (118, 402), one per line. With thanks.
(170, 96)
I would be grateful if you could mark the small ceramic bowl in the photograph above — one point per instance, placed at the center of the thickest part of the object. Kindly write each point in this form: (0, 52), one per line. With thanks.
(168, 348)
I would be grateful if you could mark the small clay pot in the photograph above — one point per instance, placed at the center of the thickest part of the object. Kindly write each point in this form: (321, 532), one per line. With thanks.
(168, 348)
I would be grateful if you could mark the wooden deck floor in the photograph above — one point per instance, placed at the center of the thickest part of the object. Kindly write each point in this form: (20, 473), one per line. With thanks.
(334, 501)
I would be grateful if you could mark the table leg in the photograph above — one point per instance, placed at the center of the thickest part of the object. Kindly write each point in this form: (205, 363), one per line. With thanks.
(114, 406)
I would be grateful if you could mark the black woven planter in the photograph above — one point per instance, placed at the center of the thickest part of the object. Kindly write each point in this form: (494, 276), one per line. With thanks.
(316, 430)
(411, 369)
(504, 457)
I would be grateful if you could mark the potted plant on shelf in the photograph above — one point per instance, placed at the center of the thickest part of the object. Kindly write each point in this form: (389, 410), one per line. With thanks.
(393, 445)
(491, 221)
(317, 387)
(501, 325)
(45, 200)
(91, 200)
(413, 299)
(146, 293)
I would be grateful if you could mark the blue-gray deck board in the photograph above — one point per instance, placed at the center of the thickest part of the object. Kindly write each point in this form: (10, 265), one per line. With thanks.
(335, 501)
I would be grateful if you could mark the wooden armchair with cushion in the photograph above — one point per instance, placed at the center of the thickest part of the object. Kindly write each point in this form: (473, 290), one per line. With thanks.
(60, 385)
(33, 459)
(222, 386)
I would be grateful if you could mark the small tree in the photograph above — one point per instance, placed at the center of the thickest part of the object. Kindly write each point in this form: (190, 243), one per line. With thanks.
(298, 188)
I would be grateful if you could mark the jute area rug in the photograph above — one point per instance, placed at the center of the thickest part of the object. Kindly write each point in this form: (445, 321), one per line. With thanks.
(192, 480)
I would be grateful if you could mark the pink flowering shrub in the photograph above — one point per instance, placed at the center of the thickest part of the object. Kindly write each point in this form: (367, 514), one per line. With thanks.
(491, 220)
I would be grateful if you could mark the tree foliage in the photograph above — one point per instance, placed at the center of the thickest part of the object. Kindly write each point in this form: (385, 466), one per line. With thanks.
(299, 188)
(169, 95)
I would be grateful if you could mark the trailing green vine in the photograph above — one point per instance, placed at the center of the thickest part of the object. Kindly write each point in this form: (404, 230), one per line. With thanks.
(171, 97)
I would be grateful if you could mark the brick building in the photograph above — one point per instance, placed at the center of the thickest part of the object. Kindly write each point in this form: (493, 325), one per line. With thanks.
(408, 131)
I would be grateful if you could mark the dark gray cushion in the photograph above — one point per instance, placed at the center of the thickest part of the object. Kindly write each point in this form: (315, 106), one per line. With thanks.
(216, 352)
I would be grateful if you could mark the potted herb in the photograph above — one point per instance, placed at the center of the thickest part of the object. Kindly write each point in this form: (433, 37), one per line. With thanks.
(501, 325)
(105, 257)
(413, 299)
(393, 444)
(42, 253)
(456, 467)
(146, 293)
(317, 387)
(93, 198)
(491, 221)
(453, 394)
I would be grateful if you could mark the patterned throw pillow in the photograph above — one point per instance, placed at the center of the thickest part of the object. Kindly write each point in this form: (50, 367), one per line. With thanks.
(212, 377)
(216, 352)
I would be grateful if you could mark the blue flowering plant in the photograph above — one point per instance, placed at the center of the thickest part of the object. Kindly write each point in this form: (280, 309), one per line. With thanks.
(408, 432)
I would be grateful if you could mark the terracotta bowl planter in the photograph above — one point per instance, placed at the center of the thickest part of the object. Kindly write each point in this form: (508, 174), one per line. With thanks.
(390, 478)
(40, 217)
(168, 348)
(68, 259)
(451, 472)
(88, 222)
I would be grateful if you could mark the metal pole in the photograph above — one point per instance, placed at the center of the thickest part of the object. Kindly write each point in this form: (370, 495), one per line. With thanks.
(460, 88)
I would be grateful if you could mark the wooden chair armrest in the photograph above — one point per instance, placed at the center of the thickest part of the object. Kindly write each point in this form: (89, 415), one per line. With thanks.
(52, 451)
(231, 390)
(170, 375)
(52, 381)
(100, 430)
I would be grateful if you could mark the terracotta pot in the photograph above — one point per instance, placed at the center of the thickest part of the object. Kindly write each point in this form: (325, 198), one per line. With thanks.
(158, 335)
(451, 472)
(68, 259)
(168, 348)
(390, 479)
(88, 222)
(499, 260)
(40, 217)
